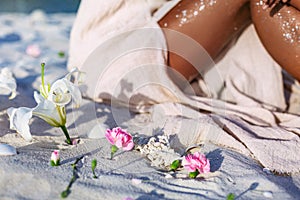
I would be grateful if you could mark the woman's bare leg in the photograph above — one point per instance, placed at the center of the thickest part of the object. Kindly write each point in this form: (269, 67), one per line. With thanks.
(280, 34)
(294, 3)
(212, 23)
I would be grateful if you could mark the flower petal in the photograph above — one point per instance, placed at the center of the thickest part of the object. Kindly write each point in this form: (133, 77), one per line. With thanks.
(33, 50)
(7, 150)
(52, 114)
(196, 161)
(38, 98)
(109, 136)
(55, 155)
(75, 92)
(61, 92)
(120, 138)
(19, 121)
(8, 84)
(128, 146)
(119, 143)
(78, 75)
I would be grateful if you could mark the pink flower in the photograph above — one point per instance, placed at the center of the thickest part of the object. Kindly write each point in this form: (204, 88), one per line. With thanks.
(196, 161)
(75, 141)
(33, 50)
(55, 158)
(128, 198)
(120, 138)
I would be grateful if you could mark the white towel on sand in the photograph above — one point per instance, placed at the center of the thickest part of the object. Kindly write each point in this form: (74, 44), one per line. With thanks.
(123, 50)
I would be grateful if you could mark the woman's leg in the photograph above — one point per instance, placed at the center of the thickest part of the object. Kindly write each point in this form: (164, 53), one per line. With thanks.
(280, 34)
(211, 23)
(294, 3)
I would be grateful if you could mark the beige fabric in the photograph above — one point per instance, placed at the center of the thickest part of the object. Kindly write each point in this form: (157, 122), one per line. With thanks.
(97, 21)
(130, 68)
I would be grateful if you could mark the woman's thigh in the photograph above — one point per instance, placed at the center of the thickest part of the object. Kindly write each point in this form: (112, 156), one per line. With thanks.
(211, 23)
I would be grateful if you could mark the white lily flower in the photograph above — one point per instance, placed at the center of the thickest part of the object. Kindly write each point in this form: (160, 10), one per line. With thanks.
(62, 91)
(49, 111)
(50, 107)
(59, 93)
(8, 84)
(44, 90)
(19, 121)
(79, 76)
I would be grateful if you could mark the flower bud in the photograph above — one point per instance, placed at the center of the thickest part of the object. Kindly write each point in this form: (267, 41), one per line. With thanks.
(55, 158)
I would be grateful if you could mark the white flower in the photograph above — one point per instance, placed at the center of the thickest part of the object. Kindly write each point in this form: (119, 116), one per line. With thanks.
(8, 84)
(54, 160)
(50, 107)
(49, 111)
(19, 120)
(62, 91)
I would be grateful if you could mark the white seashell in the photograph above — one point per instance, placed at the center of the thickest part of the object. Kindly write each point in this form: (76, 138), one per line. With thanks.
(179, 175)
(165, 148)
(157, 144)
(151, 140)
(7, 150)
(136, 181)
(150, 157)
(158, 151)
(38, 15)
(268, 195)
(230, 179)
(267, 170)
(98, 131)
(168, 176)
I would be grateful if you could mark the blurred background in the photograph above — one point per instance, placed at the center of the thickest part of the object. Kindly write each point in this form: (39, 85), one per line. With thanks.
(32, 32)
(27, 6)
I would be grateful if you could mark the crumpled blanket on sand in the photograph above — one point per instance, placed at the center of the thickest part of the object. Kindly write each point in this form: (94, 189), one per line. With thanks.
(120, 46)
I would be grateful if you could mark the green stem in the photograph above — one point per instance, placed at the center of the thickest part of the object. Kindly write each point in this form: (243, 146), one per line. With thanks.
(94, 165)
(175, 165)
(67, 191)
(43, 74)
(114, 149)
(43, 93)
(66, 134)
(193, 174)
(230, 196)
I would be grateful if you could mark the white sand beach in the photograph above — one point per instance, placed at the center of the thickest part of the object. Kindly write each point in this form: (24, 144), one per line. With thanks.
(28, 175)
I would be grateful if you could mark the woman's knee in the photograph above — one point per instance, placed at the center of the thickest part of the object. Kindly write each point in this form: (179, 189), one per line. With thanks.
(279, 31)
